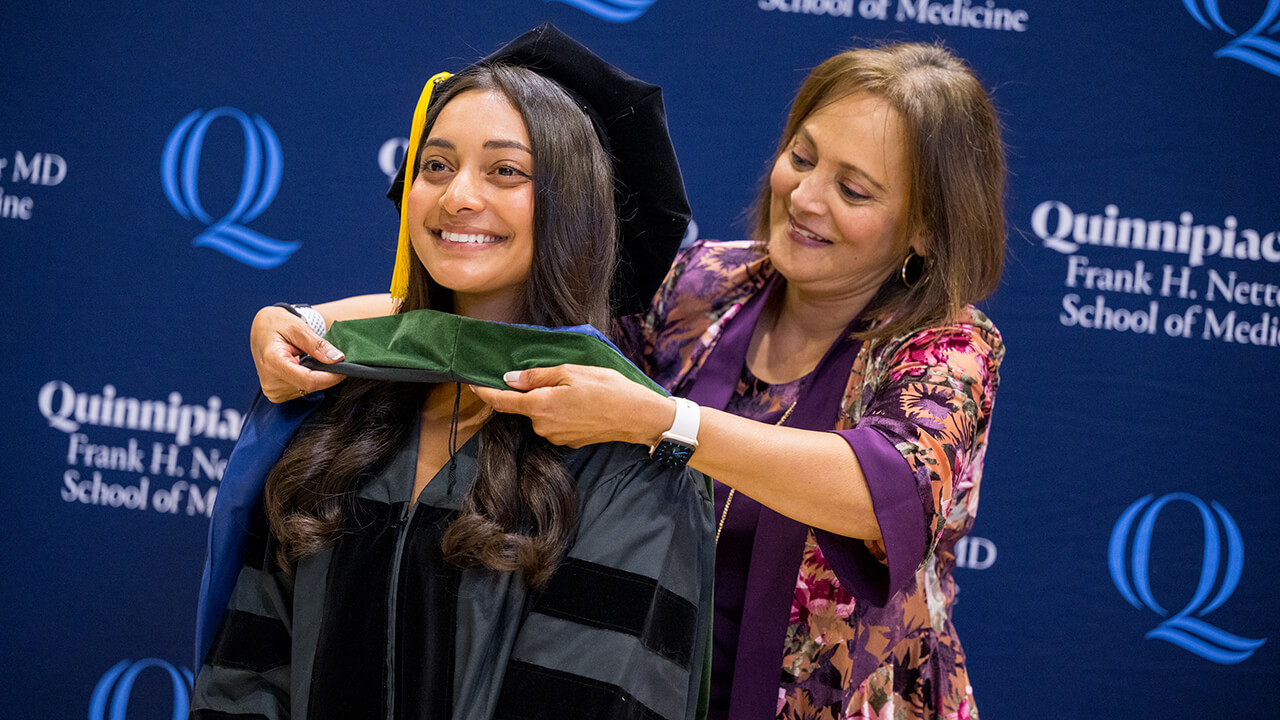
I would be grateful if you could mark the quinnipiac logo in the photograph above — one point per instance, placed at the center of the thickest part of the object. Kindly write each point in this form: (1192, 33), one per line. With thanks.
(180, 169)
(1250, 46)
(618, 11)
(110, 699)
(1181, 629)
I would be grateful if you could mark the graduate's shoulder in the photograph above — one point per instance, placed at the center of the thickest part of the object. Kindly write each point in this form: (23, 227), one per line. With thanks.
(620, 467)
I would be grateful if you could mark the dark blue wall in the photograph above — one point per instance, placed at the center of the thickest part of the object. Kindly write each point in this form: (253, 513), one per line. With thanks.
(1128, 508)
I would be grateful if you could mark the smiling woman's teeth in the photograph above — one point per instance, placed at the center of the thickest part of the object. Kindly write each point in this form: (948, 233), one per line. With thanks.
(808, 234)
(455, 237)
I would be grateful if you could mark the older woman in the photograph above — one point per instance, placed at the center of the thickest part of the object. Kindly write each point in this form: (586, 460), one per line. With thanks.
(844, 385)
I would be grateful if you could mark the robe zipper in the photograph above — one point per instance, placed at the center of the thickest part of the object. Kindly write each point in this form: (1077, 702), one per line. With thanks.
(402, 534)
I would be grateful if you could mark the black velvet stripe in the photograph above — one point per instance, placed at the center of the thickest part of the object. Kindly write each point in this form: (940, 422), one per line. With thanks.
(604, 597)
(426, 618)
(532, 692)
(215, 715)
(250, 642)
(347, 680)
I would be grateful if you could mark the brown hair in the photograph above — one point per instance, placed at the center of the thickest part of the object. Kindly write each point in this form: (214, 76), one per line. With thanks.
(956, 175)
(520, 512)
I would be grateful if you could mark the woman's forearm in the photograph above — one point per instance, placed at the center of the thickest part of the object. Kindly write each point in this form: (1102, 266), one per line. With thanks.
(356, 307)
(811, 477)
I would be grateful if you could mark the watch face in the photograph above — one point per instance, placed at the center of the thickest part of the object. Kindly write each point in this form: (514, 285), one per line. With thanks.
(670, 452)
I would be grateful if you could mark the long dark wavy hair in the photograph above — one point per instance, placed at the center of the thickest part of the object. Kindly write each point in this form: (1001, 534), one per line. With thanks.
(521, 510)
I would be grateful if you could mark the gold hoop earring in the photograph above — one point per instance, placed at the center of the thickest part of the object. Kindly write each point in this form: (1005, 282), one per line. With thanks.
(912, 269)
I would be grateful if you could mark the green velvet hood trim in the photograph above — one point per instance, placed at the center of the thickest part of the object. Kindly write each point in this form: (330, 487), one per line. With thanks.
(429, 346)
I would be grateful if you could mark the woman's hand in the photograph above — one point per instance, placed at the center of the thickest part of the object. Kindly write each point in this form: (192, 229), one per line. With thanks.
(577, 405)
(278, 340)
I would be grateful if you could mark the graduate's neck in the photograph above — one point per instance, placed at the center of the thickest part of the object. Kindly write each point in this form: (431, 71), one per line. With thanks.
(440, 402)
(493, 307)
(442, 431)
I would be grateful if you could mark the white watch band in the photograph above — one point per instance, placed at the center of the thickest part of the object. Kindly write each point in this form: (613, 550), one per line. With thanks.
(313, 318)
(684, 428)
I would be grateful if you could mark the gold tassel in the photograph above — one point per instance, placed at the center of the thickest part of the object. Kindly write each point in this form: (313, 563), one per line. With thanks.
(400, 275)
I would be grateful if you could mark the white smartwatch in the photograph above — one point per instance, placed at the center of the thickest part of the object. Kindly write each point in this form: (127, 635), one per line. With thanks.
(676, 445)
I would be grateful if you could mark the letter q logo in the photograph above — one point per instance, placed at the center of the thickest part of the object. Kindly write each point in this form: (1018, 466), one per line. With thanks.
(1252, 46)
(110, 699)
(180, 168)
(1181, 629)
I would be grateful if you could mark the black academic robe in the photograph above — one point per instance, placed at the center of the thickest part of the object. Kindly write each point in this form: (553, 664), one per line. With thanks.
(378, 625)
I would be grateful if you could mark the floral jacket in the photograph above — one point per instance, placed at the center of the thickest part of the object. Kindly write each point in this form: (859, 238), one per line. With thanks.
(854, 629)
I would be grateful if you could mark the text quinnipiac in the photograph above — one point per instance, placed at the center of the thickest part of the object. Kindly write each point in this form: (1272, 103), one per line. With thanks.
(1123, 283)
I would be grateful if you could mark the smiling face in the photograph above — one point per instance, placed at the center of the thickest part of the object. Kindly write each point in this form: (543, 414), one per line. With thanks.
(839, 201)
(470, 209)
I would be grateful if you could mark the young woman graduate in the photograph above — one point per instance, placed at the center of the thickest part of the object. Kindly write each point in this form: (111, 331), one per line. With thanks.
(414, 555)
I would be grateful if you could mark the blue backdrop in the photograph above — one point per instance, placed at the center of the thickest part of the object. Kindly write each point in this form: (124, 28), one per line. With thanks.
(165, 170)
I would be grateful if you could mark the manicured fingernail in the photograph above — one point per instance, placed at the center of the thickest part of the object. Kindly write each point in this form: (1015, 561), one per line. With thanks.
(334, 353)
(511, 377)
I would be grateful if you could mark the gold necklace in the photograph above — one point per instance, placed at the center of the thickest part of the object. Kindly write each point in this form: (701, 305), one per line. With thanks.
(732, 491)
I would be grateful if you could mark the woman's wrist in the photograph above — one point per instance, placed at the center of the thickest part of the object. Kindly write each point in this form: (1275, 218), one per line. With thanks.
(307, 314)
(649, 424)
(677, 443)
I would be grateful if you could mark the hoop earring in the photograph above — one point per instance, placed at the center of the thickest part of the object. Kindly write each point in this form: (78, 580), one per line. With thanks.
(912, 269)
